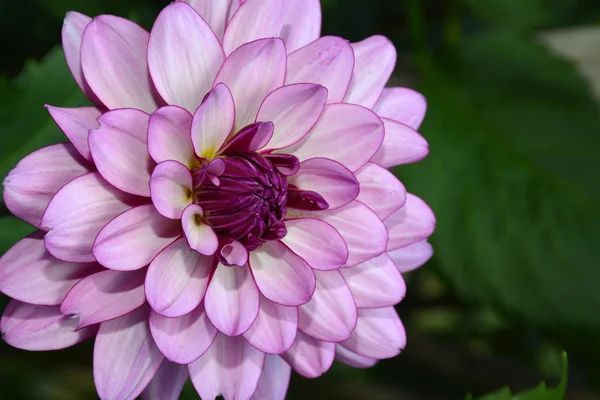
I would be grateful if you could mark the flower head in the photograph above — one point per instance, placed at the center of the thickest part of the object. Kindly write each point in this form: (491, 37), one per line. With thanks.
(224, 210)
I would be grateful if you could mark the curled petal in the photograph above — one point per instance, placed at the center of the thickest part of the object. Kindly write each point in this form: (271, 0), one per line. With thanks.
(199, 235)
(402, 105)
(167, 383)
(76, 124)
(412, 256)
(274, 329)
(171, 188)
(401, 145)
(380, 190)
(169, 136)
(410, 224)
(310, 357)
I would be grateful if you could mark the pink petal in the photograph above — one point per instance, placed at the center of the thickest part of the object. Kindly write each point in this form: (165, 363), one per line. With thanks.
(378, 334)
(401, 145)
(231, 367)
(375, 62)
(36, 328)
(234, 252)
(76, 214)
(410, 224)
(199, 235)
(274, 329)
(213, 121)
(380, 190)
(330, 314)
(375, 283)
(120, 152)
(310, 357)
(261, 63)
(412, 256)
(302, 23)
(402, 105)
(114, 62)
(352, 359)
(134, 238)
(30, 274)
(255, 19)
(232, 300)
(316, 242)
(346, 133)
(72, 31)
(125, 356)
(167, 383)
(104, 296)
(281, 275)
(183, 339)
(294, 110)
(327, 61)
(215, 12)
(177, 279)
(169, 136)
(274, 381)
(171, 188)
(76, 124)
(184, 56)
(35, 180)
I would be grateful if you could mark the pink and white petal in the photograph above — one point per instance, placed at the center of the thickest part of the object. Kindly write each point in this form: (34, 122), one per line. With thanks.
(327, 61)
(199, 235)
(134, 238)
(232, 300)
(120, 152)
(167, 383)
(330, 315)
(30, 186)
(231, 368)
(177, 279)
(252, 72)
(412, 223)
(316, 242)
(104, 296)
(72, 31)
(380, 190)
(125, 356)
(346, 133)
(294, 110)
(183, 339)
(76, 214)
(39, 328)
(301, 24)
(216, 13)
(375, 62)
(171, 188)
(281, 275)
(375, 283)
(412, 256)
(169, 136)
(333, 181)
(403, 105)
(401, 145)
(114, 62)
(213, 121)
(274, 329)
(352, 359)
(254, 19)
(184, 56)
(76, 124)
(274, 381)
(30, 274)
(310, 357)
(379, 334)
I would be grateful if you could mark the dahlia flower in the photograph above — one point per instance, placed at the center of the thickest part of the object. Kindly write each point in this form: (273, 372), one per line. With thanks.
(223, 211)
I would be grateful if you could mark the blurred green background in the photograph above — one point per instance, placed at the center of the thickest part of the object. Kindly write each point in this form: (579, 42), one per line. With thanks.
(514, 126)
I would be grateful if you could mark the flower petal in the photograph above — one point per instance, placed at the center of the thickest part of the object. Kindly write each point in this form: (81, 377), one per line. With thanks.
(274, 329)
(401, 145)
(29, 187)
(232, 300)
(167, 383)
(352, 359)
(119, 149)
(252, 72)
(199, 235)
(231, 367)
(76, 124)
(34, 328)
(183, 339)
(410, 224)
(302, 23)
(274, 381)
(169, 136)
(134, 238)
(310, 357)
(375, 62)
(412, 256)
(171, 188)
(177, 279)
(217, 13)
(114, 62)
(281, 275)
(375, 283)
(125, 356)
(184, 56)
(76, 214)
(380, 190)
(403, 105)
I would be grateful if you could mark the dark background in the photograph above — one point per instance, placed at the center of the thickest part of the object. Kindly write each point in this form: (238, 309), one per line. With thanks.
(514, 127)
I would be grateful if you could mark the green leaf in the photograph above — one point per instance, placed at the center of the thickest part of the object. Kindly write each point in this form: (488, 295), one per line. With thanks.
(12, 230)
